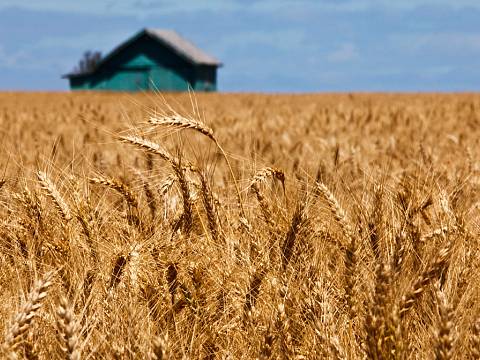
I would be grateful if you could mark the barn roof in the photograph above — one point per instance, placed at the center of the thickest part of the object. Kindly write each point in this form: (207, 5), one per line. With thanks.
(182, 46)
(169, 38)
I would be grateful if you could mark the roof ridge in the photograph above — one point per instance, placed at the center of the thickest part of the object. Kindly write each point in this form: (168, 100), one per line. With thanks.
(182, 45)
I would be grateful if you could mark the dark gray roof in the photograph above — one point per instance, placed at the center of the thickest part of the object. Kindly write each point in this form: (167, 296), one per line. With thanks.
(171, 39)
(182, 46)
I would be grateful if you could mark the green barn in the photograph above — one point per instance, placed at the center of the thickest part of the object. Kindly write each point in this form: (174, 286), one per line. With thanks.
(152, 59)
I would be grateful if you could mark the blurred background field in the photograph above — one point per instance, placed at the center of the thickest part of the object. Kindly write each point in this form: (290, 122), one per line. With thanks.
(281, 130)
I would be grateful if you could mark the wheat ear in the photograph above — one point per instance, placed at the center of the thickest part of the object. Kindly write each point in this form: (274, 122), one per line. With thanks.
(377, 319)
(267, 345)
(267, 214)
(443, 348)
(433, 270)
(118, 186)
(181, 122)
(54, 194)
(68, 329)
(336, 209)
(160, 348)
(475, 347)
(350, 250)
(154, 148)
(147, 145)
(330, 345)
(124, 190)
(166, 185)
(28, 311)
(262, 175)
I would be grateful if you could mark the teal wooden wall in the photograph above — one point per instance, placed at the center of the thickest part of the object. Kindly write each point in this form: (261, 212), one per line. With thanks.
(147, 65)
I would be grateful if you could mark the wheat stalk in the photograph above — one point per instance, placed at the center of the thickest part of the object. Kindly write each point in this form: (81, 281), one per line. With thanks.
(117, 271)
(375, 224)
(209, 204)
(253, 290)
(296, 223)
(187, 216)
(150, 197)
(171, 275)
(83, 214)
(351, 259)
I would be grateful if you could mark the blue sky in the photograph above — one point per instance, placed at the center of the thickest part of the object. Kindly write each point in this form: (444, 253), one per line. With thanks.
(266, 45)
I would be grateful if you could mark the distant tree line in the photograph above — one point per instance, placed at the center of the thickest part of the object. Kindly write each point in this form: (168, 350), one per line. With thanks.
(88, 62)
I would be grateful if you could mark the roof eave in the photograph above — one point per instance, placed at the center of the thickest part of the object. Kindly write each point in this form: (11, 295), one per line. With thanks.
(75, 75)
(216, 64)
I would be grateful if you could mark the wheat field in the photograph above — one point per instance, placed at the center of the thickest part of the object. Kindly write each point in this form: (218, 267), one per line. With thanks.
(239, 226)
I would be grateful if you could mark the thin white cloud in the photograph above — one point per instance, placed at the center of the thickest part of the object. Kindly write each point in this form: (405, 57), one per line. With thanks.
(12, 59)
(438, 42)
(344, 53)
